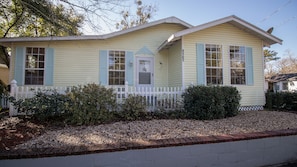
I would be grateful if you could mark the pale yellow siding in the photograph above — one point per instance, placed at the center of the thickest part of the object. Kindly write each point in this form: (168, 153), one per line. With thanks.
(77, 62)
(175, 65)
(226, 35)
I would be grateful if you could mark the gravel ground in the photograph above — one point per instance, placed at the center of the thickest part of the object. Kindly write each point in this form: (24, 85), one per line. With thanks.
(142, 131)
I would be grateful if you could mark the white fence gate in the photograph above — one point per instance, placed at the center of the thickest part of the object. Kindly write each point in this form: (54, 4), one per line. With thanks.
(167, 98)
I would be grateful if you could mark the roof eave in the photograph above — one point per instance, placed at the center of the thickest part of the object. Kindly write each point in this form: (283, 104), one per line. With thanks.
(169, 20)
(234, 20)
(265, 36)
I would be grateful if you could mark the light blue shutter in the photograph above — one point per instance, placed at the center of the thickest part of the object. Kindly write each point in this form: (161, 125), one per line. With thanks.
(19, 66)
(49, 67)
(129, 75)
(249, 66)
(200, 70)
(103, 67)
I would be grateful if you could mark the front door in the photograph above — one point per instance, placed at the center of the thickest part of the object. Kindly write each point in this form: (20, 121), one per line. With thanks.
(145, 71)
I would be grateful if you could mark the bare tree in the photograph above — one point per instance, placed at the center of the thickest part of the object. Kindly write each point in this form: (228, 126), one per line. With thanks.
(287, 64)
(143, 14)
(99, 14)
(270, 69)
(53, 17)
(269, 56)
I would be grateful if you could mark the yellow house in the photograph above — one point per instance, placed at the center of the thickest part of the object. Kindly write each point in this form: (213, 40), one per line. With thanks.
(168, 53)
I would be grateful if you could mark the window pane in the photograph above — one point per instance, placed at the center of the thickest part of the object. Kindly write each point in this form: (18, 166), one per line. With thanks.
(116, 74)
(213, 64)
(29, 50)
(35, 50)
(122, 67)
(122, 60)
(34, 77)
(220, 63)
(219, 56)
(41, 57)
(122, 74)
(207, 55)
(237, 76)
(144, 66)
(41, 64)
(214, 76)
(214, 55)
(237, 64)
(41, 50)
(34, 66)
(208, 63)
(144, 78)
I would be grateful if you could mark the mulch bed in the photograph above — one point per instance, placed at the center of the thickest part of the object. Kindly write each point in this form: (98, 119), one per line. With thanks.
(14, 133)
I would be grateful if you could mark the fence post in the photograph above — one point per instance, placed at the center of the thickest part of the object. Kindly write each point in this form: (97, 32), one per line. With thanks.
(126, 89)
(13, 89)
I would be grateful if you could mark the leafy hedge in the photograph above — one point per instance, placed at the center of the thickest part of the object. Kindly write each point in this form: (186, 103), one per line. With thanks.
(82, 105)
(46, 105)
(281, 101)
(133, 108)
(211, 102)
(91, 104)
(95, 104)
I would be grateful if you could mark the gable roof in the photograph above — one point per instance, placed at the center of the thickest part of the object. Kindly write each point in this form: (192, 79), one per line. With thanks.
(234, 20)
(283, 77)
(169, 20)
(145, 51)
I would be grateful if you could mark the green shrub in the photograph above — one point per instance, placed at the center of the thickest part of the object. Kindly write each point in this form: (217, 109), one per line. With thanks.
(281, 101)
(231, 100)
(211, 102)
(92, 104)
(133, 108)
(45, 105)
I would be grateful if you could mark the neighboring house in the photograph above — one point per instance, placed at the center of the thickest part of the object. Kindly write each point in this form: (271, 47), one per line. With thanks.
(167, 52)
(282, 82)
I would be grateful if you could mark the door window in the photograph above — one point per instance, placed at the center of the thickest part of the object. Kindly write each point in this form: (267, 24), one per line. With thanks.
(144, 72)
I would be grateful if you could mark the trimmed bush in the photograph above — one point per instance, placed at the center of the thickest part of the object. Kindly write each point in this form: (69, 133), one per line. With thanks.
(281, 101)
(91, 104)
(45, 105)
(211, 102)
(231, 100)
(133, 108)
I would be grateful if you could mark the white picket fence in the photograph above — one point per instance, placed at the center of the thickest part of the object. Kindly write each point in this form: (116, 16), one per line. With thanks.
(4, 103)
(167, 98)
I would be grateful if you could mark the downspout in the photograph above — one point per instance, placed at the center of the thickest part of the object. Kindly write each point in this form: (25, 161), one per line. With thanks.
(182, 60)
(263, 68)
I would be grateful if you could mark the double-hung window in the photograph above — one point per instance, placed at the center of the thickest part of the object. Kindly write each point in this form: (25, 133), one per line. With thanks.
(34, 66)
(214, 66)
(237, 65)
(116, 70)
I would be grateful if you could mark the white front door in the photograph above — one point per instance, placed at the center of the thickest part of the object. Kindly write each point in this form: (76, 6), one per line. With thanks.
(145, 71)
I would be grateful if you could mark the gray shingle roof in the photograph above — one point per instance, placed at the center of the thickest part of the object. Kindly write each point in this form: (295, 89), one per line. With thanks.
(283, 77)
